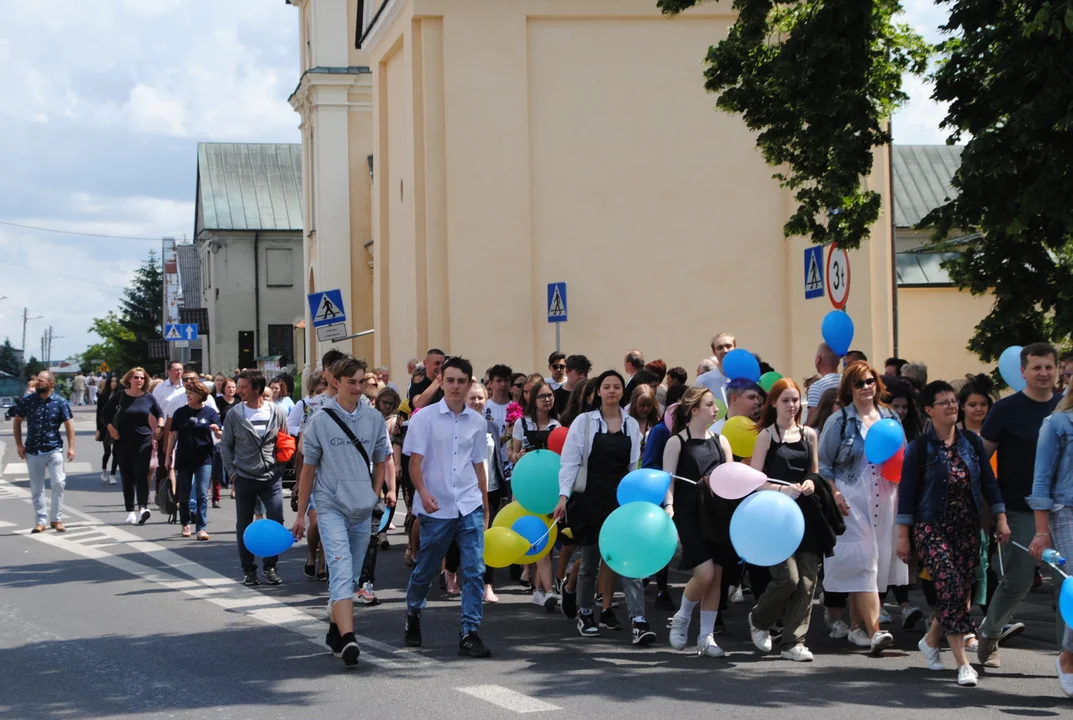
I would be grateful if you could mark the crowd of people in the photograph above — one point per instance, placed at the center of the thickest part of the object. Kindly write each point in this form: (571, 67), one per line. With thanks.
(977, 472)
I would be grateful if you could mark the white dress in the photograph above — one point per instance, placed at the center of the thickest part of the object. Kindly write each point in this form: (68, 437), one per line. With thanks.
(865, 558)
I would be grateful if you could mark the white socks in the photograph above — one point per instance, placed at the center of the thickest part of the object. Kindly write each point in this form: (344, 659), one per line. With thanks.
(707, 622)
(686, 609)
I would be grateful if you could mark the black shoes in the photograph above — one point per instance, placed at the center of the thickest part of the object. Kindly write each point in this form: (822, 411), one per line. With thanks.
(249, 578)
(587, 626)
(412, 633)
(665, 602)
(349, 650)
(310, 571)
(333, 638)
(569, 603)
(720, 626)
(642, 634)
(608, 621)
(470, 645)
(272, 577)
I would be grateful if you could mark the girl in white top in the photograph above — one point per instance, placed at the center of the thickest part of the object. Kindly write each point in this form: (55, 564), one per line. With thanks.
(531, 432)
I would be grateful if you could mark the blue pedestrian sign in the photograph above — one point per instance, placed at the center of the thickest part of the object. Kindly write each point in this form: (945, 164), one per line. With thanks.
(326, 308)
(814, 287)
(173, 333)
(557, 302)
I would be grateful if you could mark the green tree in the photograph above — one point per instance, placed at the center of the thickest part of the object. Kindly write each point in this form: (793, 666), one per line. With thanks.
(817, 81)
(34, 366)
(10, 358)
(125, 335)
(1008, 76)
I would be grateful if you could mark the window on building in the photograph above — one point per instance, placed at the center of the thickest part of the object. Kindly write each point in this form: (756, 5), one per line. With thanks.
(206, 271)
(281, 340)
(278, 268)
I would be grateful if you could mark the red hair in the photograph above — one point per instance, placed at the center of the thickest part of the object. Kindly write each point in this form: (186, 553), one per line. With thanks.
(769, 413)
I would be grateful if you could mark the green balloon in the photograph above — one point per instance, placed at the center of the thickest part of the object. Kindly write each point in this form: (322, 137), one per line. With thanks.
(638, 539)
(768, 379)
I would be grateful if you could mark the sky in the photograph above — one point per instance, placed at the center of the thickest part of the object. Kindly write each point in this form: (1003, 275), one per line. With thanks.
(104, 104)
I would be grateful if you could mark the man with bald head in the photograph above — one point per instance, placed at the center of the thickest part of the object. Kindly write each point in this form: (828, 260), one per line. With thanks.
(827, 366)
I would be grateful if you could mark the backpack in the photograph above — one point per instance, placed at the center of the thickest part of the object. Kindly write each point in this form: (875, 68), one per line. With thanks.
(166, 501)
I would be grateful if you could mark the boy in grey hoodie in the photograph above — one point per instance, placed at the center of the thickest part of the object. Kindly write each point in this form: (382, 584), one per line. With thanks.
(344, 471)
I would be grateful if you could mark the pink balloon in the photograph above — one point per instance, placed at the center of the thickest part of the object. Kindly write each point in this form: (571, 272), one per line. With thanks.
(668, 416)
(734, 480)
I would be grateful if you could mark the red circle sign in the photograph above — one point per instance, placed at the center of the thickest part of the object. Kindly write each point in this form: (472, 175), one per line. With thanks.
(837, 276)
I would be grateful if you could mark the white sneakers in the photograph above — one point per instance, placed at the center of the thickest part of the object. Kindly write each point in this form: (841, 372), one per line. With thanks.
(539, 596)
(104, 477)
(838, 628)
(143, 515)
(931, 655)
(858, 637)
(131, 518)
(761, 636)
(1064, 679)
(967, 676)
(881, 641)
(706, 647)
(679, 631)
(798, 653)
(885, 618)
(735, 595)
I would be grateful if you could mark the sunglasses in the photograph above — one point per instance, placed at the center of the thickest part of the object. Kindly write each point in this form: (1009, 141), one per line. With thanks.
(520, 387)
(864, 383)
(560, 366)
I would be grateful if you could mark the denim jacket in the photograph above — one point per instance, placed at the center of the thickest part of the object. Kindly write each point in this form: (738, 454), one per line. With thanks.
(1052, 481)
(922, 492)
(840, 450)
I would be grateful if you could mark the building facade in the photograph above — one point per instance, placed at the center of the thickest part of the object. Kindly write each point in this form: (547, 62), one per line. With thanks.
(248, 234)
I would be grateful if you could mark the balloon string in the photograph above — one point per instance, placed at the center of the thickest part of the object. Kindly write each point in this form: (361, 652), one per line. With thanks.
(694, 482)
(533, 546)
(1059, 570)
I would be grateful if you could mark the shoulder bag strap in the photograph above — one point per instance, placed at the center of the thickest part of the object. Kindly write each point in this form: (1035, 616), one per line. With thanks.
(350, 436)
(588, 442)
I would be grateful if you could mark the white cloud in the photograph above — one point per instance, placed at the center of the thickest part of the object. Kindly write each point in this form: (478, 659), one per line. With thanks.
(917, 122)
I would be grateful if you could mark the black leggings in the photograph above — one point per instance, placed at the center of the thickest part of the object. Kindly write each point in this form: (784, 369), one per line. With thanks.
(108, 443)
(134, 467)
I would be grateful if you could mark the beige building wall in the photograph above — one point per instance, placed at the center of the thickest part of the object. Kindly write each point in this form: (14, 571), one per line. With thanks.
(521, 143)
(935, 324)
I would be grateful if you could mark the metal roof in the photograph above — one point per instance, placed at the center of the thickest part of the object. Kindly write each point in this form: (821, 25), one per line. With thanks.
(922, 176)
(189, 275)
(248, 186)
(917, 269)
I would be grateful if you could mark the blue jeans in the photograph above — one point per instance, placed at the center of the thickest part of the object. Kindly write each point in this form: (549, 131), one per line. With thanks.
(436, 536)
(194, 494)
(346, 540)
(1062, 539)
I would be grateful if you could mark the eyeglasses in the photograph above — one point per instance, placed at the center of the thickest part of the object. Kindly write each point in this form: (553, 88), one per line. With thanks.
(560, 366)
(868, 382)
(189, 379)
(944, 403)
(543, 396)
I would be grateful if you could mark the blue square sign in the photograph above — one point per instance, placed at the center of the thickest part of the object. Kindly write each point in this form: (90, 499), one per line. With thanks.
(326, 308)
(557, 302)
(814, 272)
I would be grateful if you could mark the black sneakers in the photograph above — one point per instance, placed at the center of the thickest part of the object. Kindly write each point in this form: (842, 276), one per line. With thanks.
(586, 625)
(272, 577)
(665, 602)
(642, 634)
(470, 645)
(333, 638)
(249, 578)
(569, 603)
(608, 620)
(349, 650)
(412, 632)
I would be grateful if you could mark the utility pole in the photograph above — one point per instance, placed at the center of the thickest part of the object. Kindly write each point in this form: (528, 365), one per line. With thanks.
(26, 318)
(48, 346)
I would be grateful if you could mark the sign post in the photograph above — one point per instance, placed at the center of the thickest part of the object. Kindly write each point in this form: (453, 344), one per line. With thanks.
(838, 277)
(329, 317)
(557, 309)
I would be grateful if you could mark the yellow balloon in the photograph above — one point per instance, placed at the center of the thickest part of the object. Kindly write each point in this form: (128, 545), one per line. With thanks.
(740, 432)
(503, 547)
(509, 514)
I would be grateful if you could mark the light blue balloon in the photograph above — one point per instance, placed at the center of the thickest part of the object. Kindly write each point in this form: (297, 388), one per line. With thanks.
(837, 330)
(266, 538)
(1009, 367)
(766, 528)
(535, 481)
(384, 521)
(644, 485)
(638, 540)
(1065, 601)
(739, 363)
(534, 530)
(883, 441)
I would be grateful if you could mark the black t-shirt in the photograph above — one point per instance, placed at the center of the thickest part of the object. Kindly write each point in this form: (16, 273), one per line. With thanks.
(562, 397)
(1013, 424)
(194, 444)
(223, 406)
(135, 426)
(417, 388)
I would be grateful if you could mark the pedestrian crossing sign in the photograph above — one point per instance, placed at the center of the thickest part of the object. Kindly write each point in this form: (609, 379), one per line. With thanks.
(814, 286)
(172, 333)
(557, 302)
(326, 308)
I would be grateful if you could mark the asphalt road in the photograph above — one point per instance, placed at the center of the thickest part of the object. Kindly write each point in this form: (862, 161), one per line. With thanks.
(110, 620)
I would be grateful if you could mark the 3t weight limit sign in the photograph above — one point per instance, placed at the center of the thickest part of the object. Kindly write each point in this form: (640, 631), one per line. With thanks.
(837, 276)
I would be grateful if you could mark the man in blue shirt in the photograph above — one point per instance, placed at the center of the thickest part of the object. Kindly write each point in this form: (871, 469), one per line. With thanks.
(45, 413)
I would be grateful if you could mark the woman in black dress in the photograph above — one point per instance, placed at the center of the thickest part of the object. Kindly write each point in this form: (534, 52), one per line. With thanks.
(136, 419)
(786, 450)
(108, 390)
(693, 453)
(606, 439)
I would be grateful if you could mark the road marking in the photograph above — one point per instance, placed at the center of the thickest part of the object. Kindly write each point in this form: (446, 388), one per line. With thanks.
(71, 468)
(508, 699)
(5, 523)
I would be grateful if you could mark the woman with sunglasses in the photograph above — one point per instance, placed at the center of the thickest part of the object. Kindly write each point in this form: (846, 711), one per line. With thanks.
(531, 432)
(864, 560)
(136, 420)
(517, 388)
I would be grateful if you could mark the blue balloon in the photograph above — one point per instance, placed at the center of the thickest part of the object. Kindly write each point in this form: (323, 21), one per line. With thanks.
(740, 363)
(384, 521)
(644, 485)
(1065, 601)
(535, 481)
(638, 540)
(534, 530)
(1009, 367)
(883, 441)
(766, 528)
(266, 538)
(837, 329)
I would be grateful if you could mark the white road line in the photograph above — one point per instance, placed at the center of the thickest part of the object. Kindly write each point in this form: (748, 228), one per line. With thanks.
(508, 699)
(71, 468)
(5, 523)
